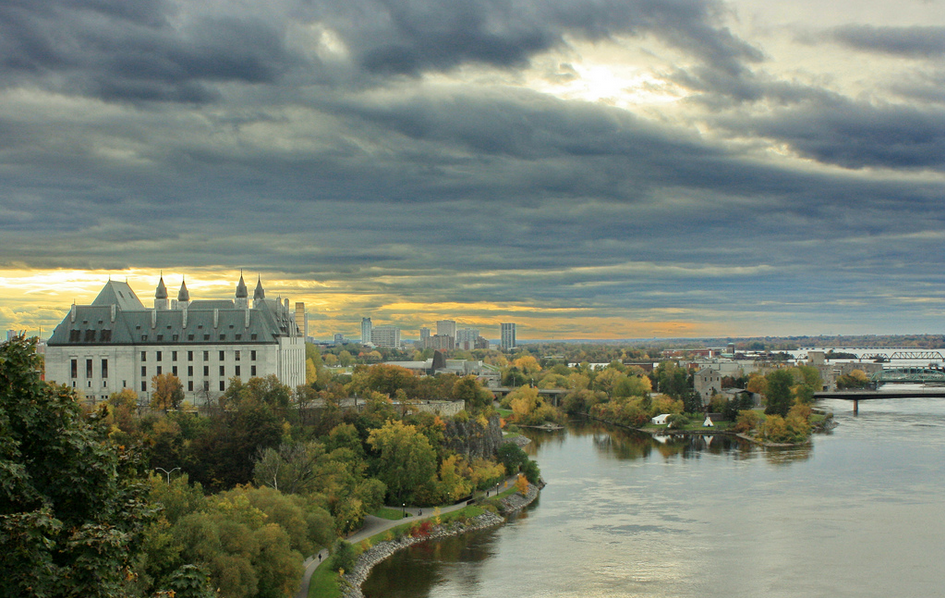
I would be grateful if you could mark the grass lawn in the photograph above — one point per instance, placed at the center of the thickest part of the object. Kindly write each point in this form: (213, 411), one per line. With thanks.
(324, 583)
(389, 513)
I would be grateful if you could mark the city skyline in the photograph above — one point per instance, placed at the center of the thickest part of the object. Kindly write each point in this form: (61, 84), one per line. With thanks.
(587, 170)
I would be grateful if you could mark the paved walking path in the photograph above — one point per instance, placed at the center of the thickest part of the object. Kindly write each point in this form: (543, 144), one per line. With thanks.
(375, 525)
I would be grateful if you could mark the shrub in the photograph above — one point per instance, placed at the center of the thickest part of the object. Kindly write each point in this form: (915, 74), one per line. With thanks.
(343, 557)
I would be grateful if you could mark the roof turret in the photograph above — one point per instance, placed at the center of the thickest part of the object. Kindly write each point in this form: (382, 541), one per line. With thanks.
(241, 291)
(161, 292)
(259, 293)
(183, 294)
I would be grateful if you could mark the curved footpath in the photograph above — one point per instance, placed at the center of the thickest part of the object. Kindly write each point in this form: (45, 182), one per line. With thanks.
(375, 525)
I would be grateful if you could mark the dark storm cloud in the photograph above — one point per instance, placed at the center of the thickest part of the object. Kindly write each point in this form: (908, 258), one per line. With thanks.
(916, 42)
(154, 51)
(133, 51)
(409, 38)
(858, 134)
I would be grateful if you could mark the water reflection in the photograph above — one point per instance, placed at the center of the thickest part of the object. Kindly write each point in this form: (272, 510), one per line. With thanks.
(625, 444)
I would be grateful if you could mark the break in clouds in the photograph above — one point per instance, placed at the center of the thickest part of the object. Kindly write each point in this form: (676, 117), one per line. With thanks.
(740, 167)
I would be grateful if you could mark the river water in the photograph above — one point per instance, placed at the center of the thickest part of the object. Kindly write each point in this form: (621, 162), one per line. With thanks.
(859, 513)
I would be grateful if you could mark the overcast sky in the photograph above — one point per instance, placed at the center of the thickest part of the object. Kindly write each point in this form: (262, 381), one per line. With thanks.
(585, 168)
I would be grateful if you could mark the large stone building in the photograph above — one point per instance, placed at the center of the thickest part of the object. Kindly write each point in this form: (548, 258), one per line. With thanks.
(116, 342)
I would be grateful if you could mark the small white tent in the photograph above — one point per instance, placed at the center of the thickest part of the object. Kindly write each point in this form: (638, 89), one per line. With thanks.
(708, 422)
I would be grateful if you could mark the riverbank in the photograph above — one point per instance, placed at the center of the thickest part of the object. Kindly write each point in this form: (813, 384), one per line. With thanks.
(507, 506)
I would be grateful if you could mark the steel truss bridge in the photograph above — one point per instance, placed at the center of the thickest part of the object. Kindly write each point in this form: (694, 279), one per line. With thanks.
(916, 355)
(908, 375)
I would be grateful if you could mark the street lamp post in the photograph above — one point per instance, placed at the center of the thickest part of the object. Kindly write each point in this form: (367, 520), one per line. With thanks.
(167, 472)
(404, 506)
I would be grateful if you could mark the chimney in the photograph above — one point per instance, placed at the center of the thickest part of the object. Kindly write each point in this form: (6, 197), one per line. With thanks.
(153, 318)
(184, 317)
(114, 312)
(72, 312)
(216, 318)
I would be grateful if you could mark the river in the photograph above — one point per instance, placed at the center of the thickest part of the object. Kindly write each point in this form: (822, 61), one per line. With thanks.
(859, 513)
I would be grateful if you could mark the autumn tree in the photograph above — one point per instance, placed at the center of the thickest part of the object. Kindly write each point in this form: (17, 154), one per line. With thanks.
(167, 392)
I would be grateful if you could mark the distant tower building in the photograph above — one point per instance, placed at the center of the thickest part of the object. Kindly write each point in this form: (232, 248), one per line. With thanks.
(466, 338)
(339, 338)
(424, 337)
(301, 319)
(366, 328)
(386, 336)
(442, 342)
(446, 328)
(508, 336)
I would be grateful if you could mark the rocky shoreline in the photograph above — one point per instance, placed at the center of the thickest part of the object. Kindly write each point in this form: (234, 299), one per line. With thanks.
(382, 550)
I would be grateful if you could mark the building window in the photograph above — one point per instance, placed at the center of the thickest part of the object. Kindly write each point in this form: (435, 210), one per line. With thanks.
(104, 368)
(206, 370)
(144, 338)
(74, 336)
(173, 355)
(252, 371)
(252, 336)
(239, 337)
(157, 356)
(222, 355)
(237, 372)
(222, 337)
(222, 371)
(174, 370)
(206, 337)
(236, 355)
(75, 368)
(90, 336)
(159, 370)
(175, 337)
(106, 335)
(190, 386)
(206, 355)
(144, 356)
(88, 368)
(252, 356)
(222, 385)
(144, 371)
(190, 337)
(190, 370)
(190, 355)
(144, 386)
(160, 337)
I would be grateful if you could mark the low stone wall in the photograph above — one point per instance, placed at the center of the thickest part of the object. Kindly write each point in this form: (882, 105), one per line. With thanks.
(377, 553)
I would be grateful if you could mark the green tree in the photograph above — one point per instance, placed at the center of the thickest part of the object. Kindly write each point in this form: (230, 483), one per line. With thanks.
(72, 513)
(477, 399)
(405, 461)
(778, 396)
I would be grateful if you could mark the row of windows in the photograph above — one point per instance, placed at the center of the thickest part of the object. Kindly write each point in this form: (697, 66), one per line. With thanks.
(89, 369)
(190, 385)
(75, 336)
(176, 337)
(74, 368)
(237, 371)
(159, 355)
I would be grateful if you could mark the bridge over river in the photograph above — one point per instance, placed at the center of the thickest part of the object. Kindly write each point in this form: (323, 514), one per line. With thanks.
(871, 395)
